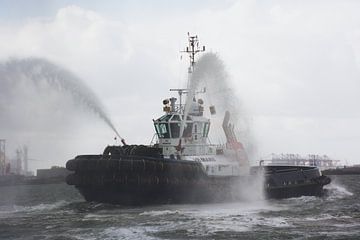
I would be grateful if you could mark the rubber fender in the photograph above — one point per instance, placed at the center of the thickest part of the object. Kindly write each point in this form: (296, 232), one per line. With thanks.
(113, 164)
(113, 151)
(107, 150)
(166, 166)
(127, 149)
(139, 166)
(150, 166)
(73, 179)
(323, 180)
(71, 165)
(86, 165)
(139, 150)
(133, 150)
(125, 166)
(102, 165)
(159, 167)
(178, 169)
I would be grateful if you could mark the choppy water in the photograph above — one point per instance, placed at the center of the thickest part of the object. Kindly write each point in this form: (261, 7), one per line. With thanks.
(58, 212)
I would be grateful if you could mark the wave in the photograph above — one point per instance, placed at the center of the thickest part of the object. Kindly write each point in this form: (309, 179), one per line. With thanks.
(35, 208)
(302, 199)
(159, 213)
(337, 191)
(208, 219)
(124, 233)
(325, 216)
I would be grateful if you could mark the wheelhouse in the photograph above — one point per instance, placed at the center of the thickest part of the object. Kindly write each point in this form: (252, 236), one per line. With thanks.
(168, 126)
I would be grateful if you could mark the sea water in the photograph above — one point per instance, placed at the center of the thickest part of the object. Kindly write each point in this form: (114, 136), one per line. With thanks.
(57, 211)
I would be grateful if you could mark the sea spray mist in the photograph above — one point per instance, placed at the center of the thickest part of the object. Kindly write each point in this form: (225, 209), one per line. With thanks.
(210, 74)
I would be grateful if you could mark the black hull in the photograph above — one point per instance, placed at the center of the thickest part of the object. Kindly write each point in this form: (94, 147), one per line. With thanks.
(157, 194)
(293, 181)
(127, 195)
(295, 191)
(141, 181)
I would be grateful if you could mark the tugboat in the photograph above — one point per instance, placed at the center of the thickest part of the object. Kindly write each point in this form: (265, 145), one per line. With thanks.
(180, 167)
(292, 175)
(288, 181)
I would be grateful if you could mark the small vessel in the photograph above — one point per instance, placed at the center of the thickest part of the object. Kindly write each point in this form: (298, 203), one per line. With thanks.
(180, 167)
(292, 175)
(286, 181)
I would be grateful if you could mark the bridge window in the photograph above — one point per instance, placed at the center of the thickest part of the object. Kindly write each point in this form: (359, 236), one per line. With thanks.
(188, 118)
(165, 118)
(175, 118)
(188, 130)
(162, 130)
(206, 129)
(175, 130)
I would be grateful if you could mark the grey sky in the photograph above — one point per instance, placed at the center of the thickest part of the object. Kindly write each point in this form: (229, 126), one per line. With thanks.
(295, 66)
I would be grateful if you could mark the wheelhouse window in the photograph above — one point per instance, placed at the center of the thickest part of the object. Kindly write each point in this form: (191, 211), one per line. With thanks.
(175, 130)
(165, 118)
(175, 118)
(206, 129)
(188, 130)
(162, 129)
(168, 126)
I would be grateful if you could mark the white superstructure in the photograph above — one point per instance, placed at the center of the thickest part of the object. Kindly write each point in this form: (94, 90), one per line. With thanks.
(182, 132)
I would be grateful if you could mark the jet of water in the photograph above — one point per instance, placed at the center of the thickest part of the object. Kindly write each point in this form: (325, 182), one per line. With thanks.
(40, 71)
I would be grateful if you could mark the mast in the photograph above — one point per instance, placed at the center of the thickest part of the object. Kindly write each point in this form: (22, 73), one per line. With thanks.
(192, 49)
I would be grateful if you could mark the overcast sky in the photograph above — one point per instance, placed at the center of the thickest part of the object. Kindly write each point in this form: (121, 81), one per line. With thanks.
(295, 66)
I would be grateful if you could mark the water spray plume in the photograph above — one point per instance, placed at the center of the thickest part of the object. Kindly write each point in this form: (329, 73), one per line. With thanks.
(210, 73)
(40, 72)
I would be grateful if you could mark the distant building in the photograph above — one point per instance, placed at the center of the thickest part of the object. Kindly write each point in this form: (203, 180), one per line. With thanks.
(321, 161)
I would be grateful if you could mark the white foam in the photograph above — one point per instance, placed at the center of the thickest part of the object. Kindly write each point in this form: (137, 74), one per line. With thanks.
(202, 220)
(337, 191)
(98, 217)
(35, 208)
(338, 234)
(319, 217)
(124, 233)
(303, 199)
(159, 213)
